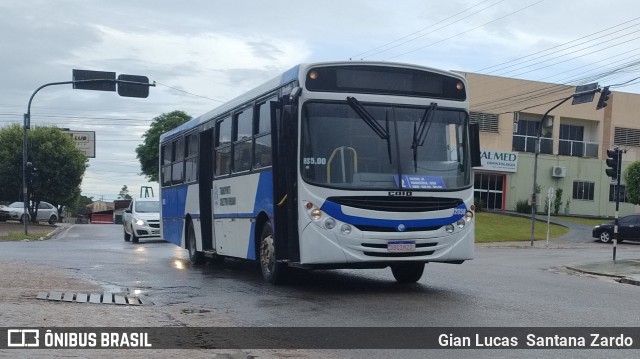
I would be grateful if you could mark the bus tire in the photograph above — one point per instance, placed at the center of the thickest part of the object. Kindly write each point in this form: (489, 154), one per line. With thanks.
(134, 238)
(272, 271)
(407, 272)
(195, 257)
(127, 236)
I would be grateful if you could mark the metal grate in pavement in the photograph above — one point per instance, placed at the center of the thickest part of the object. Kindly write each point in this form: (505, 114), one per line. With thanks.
(96, 298)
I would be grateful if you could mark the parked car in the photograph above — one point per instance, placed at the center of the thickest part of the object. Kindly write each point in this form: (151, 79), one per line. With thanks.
(15, 211)
(141, 219)
(628, 229)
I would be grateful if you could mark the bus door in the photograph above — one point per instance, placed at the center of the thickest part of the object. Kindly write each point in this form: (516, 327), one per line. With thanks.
(284, 136)
(205, 179)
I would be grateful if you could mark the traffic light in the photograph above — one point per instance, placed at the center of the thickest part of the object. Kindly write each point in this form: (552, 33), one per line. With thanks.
(613, 162)
(29, 172)
(604, 96)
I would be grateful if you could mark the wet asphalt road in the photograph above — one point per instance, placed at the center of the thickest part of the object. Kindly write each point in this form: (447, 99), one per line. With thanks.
(501, 287)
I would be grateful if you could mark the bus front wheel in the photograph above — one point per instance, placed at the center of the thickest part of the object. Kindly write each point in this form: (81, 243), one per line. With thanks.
(272, 271)
(407, 272)
(194, 256)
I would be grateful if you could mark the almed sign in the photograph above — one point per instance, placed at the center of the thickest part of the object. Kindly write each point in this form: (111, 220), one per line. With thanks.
(499, 160)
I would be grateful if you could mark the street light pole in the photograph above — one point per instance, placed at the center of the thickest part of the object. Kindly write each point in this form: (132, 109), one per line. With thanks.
(537, 152)
(26, 126)
(128, 86)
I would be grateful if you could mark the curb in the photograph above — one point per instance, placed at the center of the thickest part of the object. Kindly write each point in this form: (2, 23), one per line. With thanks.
(55, 231)
(620, 278)
(627, 280)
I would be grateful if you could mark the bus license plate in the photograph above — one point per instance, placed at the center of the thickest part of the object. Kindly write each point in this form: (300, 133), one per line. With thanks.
(401, 246)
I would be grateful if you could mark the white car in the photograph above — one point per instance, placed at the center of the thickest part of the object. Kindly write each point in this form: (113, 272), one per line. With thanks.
(141, 219)
(46, 212)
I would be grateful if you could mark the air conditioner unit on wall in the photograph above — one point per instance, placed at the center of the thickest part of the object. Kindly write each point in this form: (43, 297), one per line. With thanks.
(559, 171)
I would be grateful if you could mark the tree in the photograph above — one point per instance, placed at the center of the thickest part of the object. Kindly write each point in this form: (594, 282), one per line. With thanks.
(59, 166)
(124, 193)
(632, 180)
(11, 163)
(77, 209)
(147, 152)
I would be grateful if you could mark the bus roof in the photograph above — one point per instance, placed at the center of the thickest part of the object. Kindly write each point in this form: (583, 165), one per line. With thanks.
(288, 76)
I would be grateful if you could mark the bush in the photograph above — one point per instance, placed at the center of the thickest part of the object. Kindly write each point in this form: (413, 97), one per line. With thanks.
(523, 206)
(480, 204)
(557, 201)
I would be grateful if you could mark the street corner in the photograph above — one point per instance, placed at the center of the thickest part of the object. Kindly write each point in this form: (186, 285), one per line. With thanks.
(624, 271)
(11, 230)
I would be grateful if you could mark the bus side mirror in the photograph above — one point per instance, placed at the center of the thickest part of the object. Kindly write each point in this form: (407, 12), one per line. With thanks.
(474, 144)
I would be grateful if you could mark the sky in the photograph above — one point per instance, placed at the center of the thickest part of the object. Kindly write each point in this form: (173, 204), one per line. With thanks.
(203, 53)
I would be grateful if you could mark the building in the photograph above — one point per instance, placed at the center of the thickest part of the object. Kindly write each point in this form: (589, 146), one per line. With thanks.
(573, 151)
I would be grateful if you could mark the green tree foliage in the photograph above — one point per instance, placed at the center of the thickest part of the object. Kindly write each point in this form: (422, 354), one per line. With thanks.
(59, 165)
(124, 193)
(147, 152)
(11, 163)
(78, 208)
(632, 180)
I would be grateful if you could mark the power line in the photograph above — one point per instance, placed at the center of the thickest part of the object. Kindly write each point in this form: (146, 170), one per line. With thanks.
(567, 81)
(557, 46)
(546, 91)
(570, 59)
(189, 93)
(464, 32)
(428, 27)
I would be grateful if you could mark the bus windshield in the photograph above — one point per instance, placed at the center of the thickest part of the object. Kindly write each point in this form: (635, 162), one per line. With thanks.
(408, 147)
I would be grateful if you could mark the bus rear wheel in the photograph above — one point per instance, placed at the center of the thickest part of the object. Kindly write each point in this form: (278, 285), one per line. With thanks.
(407, 272)
(194, 256)
(272, 271)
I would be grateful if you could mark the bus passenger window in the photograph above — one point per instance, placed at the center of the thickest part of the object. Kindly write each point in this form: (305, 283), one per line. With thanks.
(242, 156)
(263, 152)
(223, 161)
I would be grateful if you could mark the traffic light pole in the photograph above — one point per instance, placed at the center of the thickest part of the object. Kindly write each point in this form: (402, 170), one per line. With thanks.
(617, 194)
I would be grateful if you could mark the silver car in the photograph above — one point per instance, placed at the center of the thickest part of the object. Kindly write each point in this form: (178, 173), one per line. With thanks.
(15, 211)
(141, 219)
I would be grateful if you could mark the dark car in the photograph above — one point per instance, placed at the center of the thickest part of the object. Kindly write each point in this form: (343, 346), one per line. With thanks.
(628, 229)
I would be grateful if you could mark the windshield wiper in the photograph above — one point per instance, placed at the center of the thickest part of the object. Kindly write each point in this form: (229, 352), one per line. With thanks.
(382, 132)
(420, 133)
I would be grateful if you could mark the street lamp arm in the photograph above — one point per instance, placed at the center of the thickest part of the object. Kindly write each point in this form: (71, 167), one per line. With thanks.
(40, 88)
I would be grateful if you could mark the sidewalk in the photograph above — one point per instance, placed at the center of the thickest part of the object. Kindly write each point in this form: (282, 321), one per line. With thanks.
(625, 271)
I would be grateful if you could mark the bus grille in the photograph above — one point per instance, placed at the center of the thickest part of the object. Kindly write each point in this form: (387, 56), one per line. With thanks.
(394, 229)
(397, 204)
(384, 245)
(398, 254)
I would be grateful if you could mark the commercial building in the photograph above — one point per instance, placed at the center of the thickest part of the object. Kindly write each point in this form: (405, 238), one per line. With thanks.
(573, 151)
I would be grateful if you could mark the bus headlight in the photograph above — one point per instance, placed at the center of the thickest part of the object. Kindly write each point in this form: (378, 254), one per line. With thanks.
(468, 216)
(461, 222)
(345, 229)
(315, 214)
(329, 223)
(449, 228)
(140, 222)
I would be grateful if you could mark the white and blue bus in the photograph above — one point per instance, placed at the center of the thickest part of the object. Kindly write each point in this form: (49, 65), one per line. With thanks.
(329, 165)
